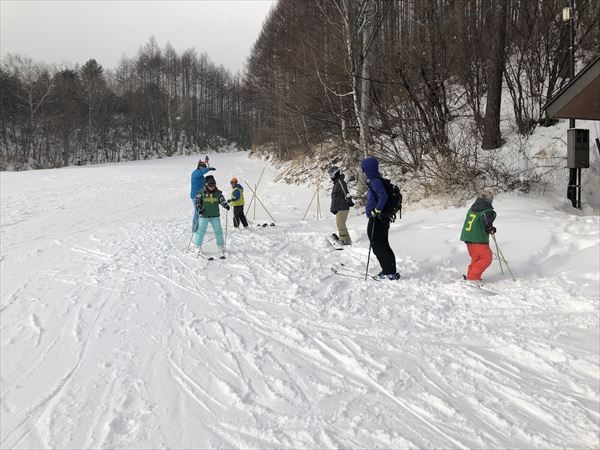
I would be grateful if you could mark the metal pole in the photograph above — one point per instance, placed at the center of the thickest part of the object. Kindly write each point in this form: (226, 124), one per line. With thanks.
(578, 188)
(255, 190)
(318, 200)
(226, 221)
(311, 200)
(574, 185)
(261, 203)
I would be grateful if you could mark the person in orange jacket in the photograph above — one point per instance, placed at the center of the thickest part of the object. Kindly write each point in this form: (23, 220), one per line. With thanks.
(476, 230)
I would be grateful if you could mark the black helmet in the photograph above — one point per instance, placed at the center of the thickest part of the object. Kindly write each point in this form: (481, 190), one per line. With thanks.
(210, 180)
(334, 172)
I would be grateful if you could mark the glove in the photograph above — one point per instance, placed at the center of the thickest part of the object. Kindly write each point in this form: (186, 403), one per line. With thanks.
(227, 207)
(492, 230)
(211, 168)
(375, 213)
(229, 200)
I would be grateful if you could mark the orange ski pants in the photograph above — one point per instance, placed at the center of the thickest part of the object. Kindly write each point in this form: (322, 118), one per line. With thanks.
(481, 259)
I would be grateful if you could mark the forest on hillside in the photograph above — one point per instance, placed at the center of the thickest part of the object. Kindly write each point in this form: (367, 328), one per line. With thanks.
(420, 84)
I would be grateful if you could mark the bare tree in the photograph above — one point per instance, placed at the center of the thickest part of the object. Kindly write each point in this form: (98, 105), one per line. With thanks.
(36, 85)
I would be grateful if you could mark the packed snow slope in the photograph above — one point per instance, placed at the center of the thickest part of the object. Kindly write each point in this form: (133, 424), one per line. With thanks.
(113, 336)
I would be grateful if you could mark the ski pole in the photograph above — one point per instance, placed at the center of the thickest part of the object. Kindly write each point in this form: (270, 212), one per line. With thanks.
(508, 267)
(189, 243)
(371, 221)
(498, 254)
(504, 259)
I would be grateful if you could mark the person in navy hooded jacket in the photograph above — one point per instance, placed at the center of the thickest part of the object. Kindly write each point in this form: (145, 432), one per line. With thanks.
(378, 227)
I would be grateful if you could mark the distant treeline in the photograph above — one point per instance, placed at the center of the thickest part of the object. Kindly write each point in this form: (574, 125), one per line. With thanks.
(401, 79)
(157, 103)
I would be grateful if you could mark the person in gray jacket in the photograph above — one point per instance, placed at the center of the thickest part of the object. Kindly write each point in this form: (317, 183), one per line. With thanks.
(341, 201)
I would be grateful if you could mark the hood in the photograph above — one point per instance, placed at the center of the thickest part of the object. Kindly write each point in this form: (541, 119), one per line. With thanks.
(370, 166)
(481, 204)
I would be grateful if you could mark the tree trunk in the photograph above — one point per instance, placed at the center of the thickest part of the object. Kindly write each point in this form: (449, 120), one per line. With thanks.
(492, 138)
(365, 101)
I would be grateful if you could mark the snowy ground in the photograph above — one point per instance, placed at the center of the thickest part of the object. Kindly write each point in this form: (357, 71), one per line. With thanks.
(112, 336)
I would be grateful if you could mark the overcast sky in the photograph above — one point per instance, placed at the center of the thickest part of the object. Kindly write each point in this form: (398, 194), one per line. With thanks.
(74, 31)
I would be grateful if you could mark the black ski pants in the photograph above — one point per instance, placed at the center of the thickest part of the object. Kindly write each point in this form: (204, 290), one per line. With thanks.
(239, 216)
(378, 231)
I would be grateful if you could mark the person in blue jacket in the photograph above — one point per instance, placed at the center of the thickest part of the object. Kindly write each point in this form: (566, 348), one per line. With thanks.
(378, 227)
(197, 183)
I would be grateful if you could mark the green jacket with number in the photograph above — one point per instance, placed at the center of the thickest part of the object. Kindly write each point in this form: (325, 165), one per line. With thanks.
(478, 222)
(207, 203)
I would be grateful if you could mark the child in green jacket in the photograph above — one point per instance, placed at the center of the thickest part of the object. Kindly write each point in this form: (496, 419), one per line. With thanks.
(476, 230)
(208, 200)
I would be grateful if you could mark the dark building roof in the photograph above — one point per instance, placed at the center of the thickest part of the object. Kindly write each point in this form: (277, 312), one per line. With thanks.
(580, 99)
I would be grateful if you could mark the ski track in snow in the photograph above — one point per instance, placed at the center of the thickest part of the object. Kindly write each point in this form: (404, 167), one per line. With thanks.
(120, 338)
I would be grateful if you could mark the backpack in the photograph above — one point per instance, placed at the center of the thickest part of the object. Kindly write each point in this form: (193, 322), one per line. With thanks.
(393, 205)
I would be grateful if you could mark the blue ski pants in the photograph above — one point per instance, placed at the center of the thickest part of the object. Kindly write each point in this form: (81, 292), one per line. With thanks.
(196, 216)
(215, 222)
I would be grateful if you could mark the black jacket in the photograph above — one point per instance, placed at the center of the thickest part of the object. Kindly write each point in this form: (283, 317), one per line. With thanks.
(481, 204)
(338, 195)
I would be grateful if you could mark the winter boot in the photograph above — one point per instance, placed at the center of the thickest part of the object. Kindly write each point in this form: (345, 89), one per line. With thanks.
(389, 276)
(222, 252)
(477, 283)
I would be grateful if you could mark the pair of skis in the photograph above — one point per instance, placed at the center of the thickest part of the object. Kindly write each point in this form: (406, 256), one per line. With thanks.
(478, 288)
(350, 272)
(346, 271)
(202, 255)
(210, 258)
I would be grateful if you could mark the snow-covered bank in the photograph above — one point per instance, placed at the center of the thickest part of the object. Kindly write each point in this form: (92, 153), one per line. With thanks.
(112, 336)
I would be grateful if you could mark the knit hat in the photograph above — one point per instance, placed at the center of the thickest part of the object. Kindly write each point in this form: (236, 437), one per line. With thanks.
(209, 179)
(487, 194)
